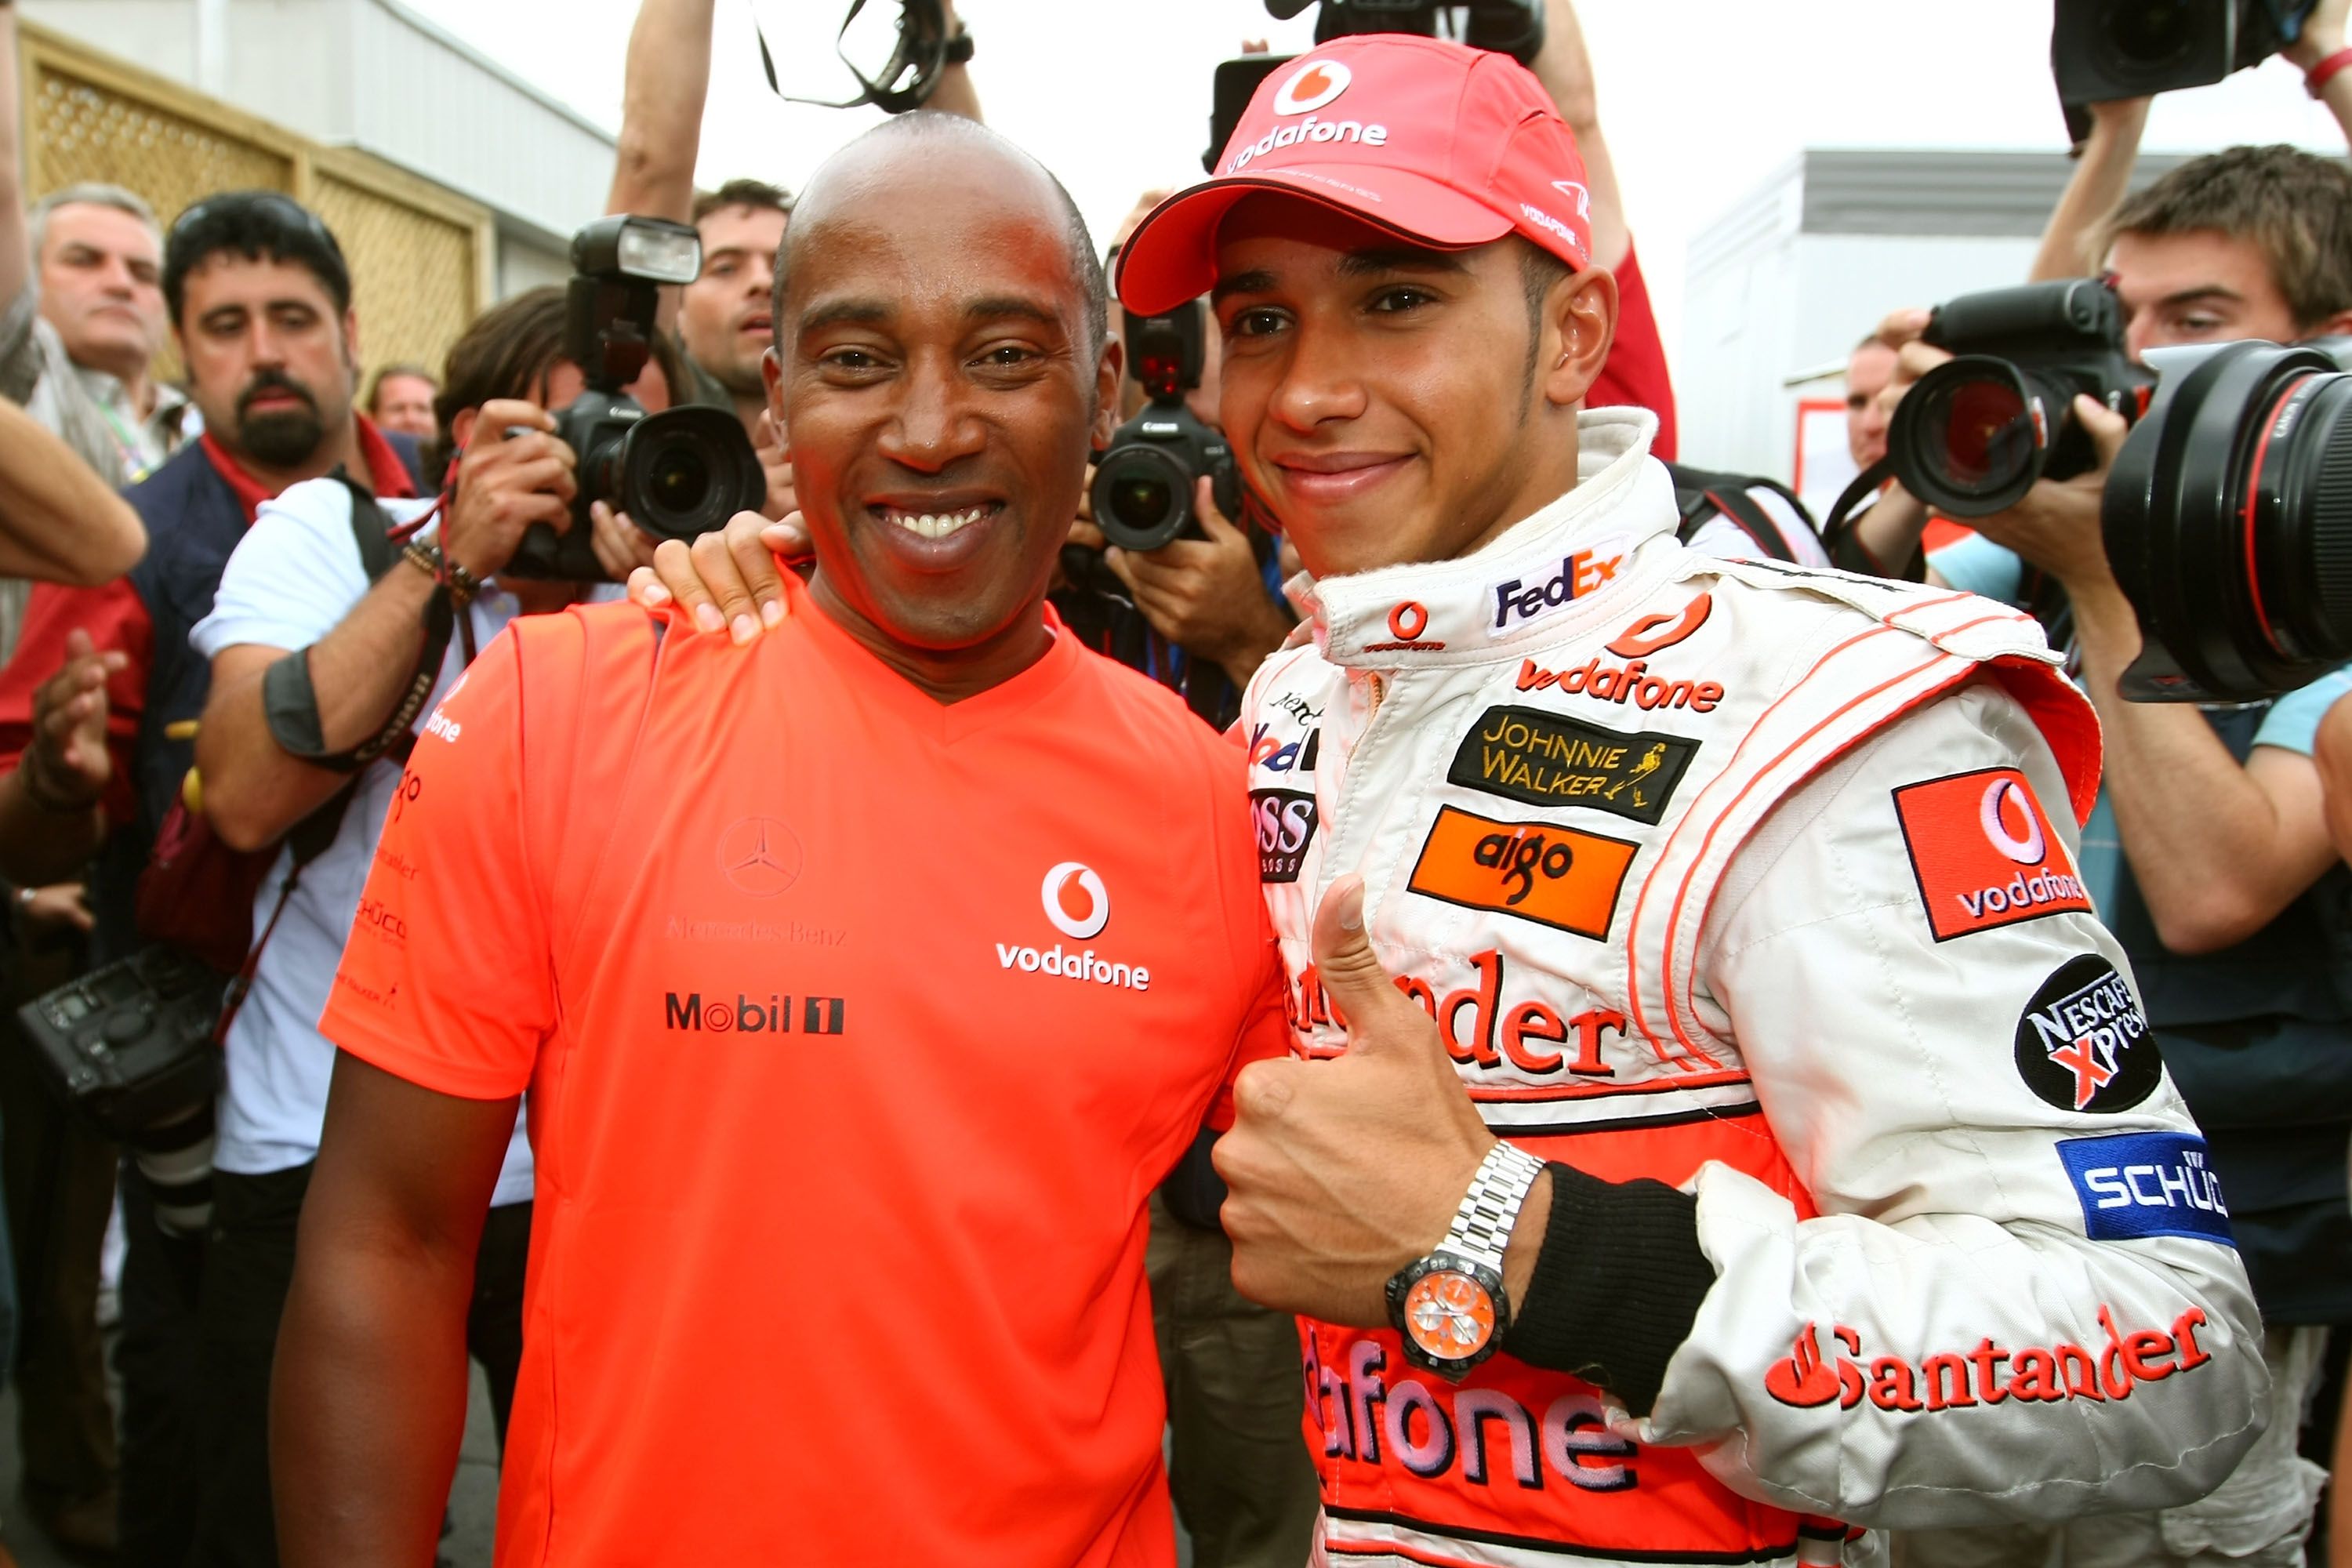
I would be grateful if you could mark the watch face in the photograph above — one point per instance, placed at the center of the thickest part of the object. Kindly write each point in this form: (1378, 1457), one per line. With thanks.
(1449, 1315)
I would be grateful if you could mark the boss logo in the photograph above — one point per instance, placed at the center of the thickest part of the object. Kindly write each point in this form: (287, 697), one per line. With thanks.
(1286, 821)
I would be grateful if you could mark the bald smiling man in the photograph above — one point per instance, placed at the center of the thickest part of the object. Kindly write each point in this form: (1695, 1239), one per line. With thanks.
(858, 1024)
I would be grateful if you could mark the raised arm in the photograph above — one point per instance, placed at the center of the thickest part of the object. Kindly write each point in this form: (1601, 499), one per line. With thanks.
(58, 521)
(955, 94)
(2093, 192)
(2323, 34)
(1566, 71)
(666, 80)
(368, 1403)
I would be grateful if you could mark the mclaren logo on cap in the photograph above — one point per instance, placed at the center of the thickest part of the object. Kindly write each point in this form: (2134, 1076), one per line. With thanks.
(1576, 193)
(1312, 85)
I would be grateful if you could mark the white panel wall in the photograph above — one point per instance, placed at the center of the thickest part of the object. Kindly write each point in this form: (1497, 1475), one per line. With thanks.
(159, 35)
(524, 263)
(423, 101)
(373, 75)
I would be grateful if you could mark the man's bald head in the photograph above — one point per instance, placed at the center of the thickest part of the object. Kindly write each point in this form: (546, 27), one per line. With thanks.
(865, 179)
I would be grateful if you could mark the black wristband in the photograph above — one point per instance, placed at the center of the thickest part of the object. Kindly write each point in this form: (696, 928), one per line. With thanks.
(959, 49)
(1616, 1285)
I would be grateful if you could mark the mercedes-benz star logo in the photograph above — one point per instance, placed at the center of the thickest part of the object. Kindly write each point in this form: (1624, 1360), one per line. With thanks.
(759, 856)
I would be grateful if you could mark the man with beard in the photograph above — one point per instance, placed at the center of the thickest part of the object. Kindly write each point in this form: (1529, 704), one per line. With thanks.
(260, 302)
(848, 1101)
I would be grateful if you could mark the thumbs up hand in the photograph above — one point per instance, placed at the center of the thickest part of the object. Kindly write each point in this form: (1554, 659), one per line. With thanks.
(1340, 1173)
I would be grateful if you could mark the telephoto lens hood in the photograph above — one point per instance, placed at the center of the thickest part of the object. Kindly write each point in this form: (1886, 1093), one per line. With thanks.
(2228, 523)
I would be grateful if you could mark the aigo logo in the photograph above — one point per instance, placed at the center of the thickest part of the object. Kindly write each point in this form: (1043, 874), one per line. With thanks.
(1312, 85)
(1075, 901)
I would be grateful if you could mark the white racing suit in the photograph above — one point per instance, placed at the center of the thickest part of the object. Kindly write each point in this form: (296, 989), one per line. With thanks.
(1757, 881)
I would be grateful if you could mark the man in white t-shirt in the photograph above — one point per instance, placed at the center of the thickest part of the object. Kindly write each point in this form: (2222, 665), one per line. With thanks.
(299, 588)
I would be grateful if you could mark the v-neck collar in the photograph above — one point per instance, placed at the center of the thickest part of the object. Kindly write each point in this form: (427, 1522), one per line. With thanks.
(946, 721)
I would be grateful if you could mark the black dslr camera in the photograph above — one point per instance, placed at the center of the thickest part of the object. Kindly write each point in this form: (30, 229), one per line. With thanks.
(1976, 432)
(1513, 28)
(1142, 492)
(2228, 520)
(677, 474)
(2105, 49)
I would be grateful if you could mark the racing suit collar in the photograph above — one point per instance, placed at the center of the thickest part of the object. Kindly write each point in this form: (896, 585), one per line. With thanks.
(1575, 564)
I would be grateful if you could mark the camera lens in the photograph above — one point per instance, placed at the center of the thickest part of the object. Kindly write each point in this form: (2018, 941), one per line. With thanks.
(686, 471)
(1971, 437)
(2229, 523)
(2149, 34)
(1142, 496)
(1984, 426)
(1143, 501)
(678, 480)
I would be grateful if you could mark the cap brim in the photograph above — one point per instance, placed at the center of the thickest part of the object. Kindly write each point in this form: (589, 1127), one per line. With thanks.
(1171, 257)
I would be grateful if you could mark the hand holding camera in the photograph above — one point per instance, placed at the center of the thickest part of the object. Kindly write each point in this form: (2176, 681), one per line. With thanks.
(515, 472)
(1205, 595)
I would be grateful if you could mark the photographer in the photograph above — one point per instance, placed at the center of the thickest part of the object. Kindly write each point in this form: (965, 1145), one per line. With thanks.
(722, 320)
(297, 587)
(2228, 897)
(261, 304)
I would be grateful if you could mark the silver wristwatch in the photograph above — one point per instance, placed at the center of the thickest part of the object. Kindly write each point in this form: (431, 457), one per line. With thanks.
(1449, 1306)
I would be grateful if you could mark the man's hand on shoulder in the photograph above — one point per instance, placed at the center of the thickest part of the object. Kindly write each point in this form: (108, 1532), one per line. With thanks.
(1340, 1173)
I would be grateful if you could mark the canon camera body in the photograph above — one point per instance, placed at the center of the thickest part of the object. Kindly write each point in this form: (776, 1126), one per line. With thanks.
(1972, 436)
(677, 474)
(1143, 485)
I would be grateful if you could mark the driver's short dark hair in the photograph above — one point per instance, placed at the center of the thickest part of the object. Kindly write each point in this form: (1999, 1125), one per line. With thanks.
(2296, 206)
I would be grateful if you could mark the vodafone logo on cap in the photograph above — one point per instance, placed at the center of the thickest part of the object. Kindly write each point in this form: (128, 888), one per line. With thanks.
(1312, 85)
(1075, 901)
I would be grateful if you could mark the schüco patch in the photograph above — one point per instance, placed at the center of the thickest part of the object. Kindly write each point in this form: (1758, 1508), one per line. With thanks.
(1548, 759)
(1538, 871)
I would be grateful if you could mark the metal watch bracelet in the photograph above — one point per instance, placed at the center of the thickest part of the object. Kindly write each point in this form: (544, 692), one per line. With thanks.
(1490, 1209)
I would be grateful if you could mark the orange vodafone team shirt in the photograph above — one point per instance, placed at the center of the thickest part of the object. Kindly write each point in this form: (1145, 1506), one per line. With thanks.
(858, 1031)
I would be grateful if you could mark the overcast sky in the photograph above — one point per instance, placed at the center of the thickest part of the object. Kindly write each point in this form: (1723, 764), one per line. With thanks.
(1701, 98)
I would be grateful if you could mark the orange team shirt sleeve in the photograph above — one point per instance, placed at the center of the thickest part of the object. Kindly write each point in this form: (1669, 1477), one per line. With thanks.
(457, 989)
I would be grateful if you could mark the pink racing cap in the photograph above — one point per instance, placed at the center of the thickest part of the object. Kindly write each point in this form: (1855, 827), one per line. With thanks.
(1445, 145)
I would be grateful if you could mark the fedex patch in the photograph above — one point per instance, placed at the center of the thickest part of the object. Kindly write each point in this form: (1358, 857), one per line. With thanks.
(2134, 1184)
(1984, 853)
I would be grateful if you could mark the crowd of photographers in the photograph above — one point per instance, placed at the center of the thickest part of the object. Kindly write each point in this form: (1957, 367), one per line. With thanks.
(226, 608)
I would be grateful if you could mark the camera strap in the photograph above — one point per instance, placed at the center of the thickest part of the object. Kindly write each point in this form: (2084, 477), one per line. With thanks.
(922, 50)
(291, 702)
(307, 841)
(1845, 548)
